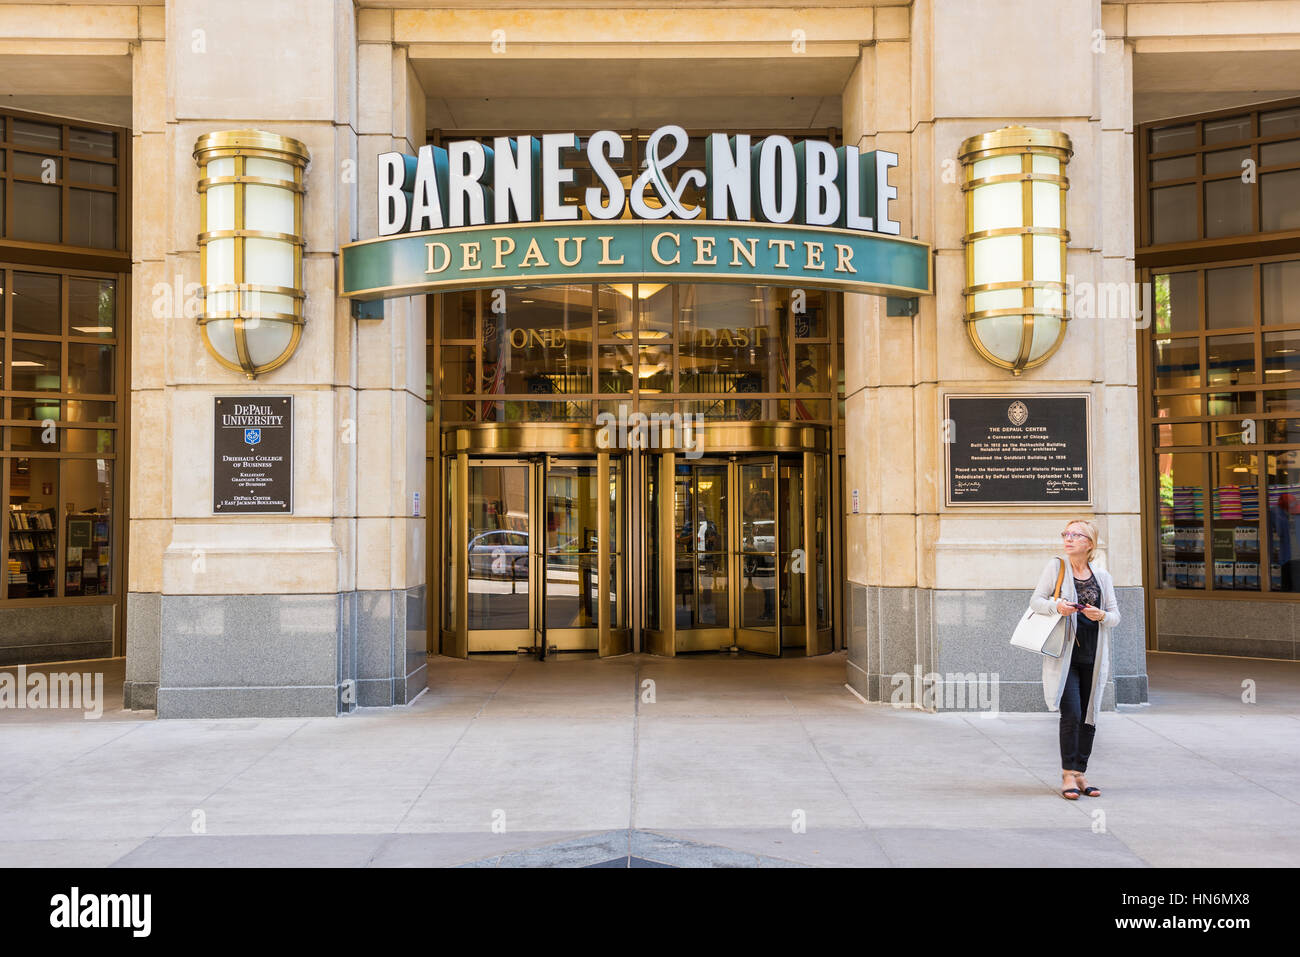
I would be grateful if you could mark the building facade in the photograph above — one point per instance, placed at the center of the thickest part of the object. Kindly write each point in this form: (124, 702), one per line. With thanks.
(693, 456)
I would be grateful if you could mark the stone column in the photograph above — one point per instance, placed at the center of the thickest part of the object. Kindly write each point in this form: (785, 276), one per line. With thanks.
(390, 402)
(268, 615)
(150, 526)
(937, 590)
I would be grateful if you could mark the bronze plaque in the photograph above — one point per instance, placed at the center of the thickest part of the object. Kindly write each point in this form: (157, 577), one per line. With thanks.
(252, 460)
(1019, 449)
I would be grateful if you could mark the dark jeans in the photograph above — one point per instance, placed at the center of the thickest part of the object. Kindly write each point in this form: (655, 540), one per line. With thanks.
(1076, 736)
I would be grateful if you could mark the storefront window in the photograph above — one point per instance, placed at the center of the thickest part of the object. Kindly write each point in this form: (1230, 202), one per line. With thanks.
(1226, 445)
(50, 168)
(58, 394)
(557, 353)
(1222, 177)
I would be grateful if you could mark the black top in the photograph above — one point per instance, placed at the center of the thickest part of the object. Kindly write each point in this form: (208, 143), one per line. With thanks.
(1087, 592)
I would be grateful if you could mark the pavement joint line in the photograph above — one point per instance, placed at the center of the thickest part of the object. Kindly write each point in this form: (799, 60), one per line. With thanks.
(455, 744)
(213, 793)
(1212, 762)
(17, 789)
(1079, 808)
(853, 691)
(636, 751)
(838, 784)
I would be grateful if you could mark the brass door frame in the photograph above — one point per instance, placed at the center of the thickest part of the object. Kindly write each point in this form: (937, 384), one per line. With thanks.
(604, 639)
(757, 640)
(819, 640)
(496, 639)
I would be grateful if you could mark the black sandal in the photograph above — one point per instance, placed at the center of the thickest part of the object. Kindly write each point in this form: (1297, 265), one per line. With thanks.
(1092, 792)
(1068, 791)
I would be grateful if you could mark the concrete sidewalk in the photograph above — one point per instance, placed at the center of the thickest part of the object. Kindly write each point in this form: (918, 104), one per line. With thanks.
(563, 762)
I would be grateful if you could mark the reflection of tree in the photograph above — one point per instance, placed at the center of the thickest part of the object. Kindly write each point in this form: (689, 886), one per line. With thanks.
(1164, 320)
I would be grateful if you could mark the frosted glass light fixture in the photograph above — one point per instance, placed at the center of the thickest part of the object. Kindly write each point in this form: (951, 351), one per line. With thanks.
(250, 247)
(1014, 184)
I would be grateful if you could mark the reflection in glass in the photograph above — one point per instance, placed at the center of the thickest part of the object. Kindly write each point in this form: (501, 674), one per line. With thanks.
(457, 315)
(1234, 541)
(1230, 130)
(1281, 356)
(92, 307)
(1280, 198)
(1178, 363)
(652, 545)
(1177, 406)
(1229, 297)
(1281, 293)
(758, 546)
(35, 365)
(37, 212)
(1229, 207)
(1284, 521)
(90, 368)
(1230, 360)
(497, 559)
(1179, 433)
(1178, 302)
(36, 304)
(1226, 161)
(700, 509)
(1173, 214)
(793, 560)
(92, 218)
(88, 497)
(541, 345)
(1181, 520)
(731, 339)
(613, 312)
(1176, 167)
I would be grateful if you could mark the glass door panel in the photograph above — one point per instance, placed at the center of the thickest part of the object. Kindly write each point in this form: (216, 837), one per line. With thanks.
(759, 532)
(794, 553)
(497, 560)
(572, 501)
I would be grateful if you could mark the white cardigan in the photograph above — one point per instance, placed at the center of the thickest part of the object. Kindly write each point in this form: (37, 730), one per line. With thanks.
(1055, 670)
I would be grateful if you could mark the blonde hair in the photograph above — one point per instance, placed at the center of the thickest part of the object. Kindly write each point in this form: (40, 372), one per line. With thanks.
(1093, 533)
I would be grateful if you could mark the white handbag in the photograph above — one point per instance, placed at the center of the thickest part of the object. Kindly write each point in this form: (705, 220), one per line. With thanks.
(1044, 634)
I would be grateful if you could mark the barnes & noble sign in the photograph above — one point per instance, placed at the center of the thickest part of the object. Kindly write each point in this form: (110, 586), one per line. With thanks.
(772, 211)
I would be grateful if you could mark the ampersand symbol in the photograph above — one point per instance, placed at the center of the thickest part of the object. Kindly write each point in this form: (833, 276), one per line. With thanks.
(655, 174)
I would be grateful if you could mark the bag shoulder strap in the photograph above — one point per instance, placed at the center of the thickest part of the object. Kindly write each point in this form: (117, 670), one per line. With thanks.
(1060, 577)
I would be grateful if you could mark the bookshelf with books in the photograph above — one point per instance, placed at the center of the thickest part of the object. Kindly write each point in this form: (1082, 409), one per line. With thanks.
(33, 549)
(89, 552)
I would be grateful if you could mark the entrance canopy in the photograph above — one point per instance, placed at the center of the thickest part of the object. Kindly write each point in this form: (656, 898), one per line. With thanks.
(623, 250)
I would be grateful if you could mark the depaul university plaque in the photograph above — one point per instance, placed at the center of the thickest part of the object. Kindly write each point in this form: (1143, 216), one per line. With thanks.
(252, 454)
(1025, 449)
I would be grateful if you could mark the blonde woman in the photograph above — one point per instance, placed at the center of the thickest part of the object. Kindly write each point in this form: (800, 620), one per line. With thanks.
(1074, 682)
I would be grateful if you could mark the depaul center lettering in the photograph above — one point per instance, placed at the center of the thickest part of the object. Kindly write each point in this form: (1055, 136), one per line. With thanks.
(472, 214)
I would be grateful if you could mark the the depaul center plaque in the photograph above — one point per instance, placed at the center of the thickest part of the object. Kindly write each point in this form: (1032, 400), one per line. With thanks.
(1017, 449)
(252, 461)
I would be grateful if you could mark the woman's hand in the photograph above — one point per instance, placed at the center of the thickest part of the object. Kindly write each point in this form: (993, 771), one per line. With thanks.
(1093, 614)
(1064, 607)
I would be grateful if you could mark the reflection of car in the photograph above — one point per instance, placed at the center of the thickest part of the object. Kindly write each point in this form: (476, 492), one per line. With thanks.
(759, 536)
(499, 554)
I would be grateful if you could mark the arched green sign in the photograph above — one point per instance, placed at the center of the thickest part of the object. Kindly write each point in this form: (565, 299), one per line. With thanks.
(626, 250)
